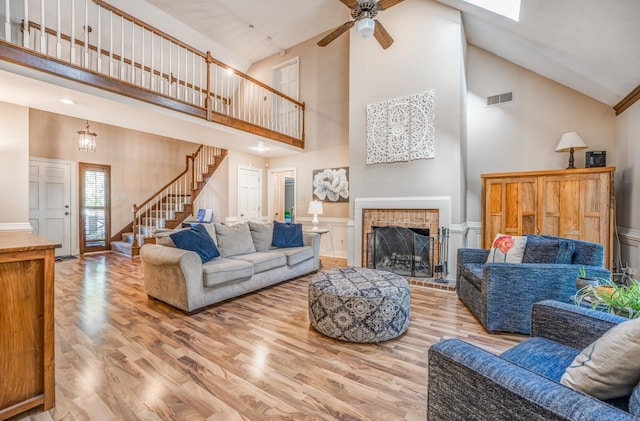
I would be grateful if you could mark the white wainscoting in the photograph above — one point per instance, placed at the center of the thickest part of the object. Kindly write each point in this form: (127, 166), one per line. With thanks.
(474, 236)
(629, 249)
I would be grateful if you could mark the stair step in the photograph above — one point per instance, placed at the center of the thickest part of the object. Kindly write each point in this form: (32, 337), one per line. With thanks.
(127, 237)
(122, 247)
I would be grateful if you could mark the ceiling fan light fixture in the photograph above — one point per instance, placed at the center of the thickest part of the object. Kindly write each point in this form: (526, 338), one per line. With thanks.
(366, 27)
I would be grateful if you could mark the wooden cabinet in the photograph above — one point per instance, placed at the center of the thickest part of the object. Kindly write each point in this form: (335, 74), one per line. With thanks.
(26, 323)
(575, 203)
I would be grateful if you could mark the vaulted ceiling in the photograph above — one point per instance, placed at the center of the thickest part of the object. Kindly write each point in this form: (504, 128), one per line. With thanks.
(588, 45)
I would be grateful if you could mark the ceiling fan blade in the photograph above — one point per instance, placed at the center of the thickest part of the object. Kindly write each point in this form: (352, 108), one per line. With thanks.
(336, 33)
(350, 3)
(382, 35)
(385, 4)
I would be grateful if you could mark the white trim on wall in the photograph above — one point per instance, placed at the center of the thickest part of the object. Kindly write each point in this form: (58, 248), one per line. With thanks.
(629, 248)
(474, 237)
(15, 226)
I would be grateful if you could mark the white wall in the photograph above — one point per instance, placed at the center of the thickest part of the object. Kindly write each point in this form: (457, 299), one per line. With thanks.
(14, 168)
(627, 185)
(427, 54)
(523, 135)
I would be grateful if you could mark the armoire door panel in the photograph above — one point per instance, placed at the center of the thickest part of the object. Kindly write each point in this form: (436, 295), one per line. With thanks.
(495, 199)
(592, 229)
(592, 196)
(512, 206)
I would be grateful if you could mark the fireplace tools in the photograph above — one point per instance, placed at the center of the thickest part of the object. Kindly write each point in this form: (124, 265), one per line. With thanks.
(441, 267)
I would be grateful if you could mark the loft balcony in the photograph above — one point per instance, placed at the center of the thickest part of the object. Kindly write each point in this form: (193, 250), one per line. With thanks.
(92, 42)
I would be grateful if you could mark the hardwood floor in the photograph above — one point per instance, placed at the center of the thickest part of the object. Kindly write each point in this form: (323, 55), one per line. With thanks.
(120, 356)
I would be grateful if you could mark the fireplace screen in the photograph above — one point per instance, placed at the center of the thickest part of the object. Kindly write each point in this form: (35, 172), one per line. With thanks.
(405, 251)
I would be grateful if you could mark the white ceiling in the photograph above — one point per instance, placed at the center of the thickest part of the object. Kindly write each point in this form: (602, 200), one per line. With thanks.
(591, 46)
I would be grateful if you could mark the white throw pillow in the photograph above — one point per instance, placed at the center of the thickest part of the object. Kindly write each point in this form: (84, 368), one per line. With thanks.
(609, 367)
(507, 249)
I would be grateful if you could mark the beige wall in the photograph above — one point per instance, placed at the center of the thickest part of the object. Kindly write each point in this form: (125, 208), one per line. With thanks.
(14, 167)
(324, 88)
(523, 135)
(141, 163)
(427, 54)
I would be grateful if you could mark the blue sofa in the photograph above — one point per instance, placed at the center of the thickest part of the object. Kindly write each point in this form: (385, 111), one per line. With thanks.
(501, 295)
(468, 383)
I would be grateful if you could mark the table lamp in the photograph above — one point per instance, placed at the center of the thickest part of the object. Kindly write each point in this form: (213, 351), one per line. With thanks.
(570, 142)
(315, 208)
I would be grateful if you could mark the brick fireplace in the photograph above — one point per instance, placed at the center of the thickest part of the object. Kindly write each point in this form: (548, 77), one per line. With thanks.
(406, 218)
(430, 212)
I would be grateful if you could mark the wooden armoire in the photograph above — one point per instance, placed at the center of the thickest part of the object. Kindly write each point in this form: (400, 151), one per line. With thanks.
(572, 203)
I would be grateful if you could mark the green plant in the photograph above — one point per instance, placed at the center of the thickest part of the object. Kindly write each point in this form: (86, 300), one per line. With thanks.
(618, 299)
(582, 272)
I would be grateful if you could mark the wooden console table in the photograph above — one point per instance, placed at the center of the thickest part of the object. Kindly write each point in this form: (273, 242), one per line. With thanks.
(26, 323)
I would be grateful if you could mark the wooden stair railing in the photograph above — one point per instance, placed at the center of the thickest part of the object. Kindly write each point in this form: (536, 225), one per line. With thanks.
(123, 54)
(173, 203)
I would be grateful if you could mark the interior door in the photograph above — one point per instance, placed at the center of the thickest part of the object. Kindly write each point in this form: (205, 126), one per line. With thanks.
(285, 79)
(282, 193)
(249, 193)
(50, 202)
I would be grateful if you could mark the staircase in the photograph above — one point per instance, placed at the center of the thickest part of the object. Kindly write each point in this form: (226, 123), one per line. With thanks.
(172, 204)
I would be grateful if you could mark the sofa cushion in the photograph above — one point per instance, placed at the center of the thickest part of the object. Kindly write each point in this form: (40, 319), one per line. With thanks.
(222, 270)
(295, 255)
(196, 239)
(287, 235)
(548, 249)
(473, 273)
(608, 368)
(507, 249)
(263, 261)
(634, 402)
(234, 240)
(543, 356)
(262, 235)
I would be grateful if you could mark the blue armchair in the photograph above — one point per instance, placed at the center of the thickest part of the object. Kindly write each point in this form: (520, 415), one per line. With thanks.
(523, 383)
(501, 295)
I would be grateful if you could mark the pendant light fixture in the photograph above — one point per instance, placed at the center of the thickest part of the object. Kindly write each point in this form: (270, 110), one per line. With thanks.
(86, 140)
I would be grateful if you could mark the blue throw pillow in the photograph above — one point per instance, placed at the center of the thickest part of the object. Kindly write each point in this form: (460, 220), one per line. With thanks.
(287, 235)
(196, 239)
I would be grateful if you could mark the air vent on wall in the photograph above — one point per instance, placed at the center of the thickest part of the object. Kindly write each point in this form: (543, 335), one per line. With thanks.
(500, 98)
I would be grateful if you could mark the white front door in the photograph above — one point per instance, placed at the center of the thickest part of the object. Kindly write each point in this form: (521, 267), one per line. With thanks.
(249, 193)
(50, 202)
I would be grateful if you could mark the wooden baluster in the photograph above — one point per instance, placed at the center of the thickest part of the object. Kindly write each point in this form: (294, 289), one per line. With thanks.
(58, 33)
(7, 20)
(25, 25)
(133, 52)
(43, 29)
(122, 69)
(85, 56)
(142, 71)
(111, 43)
(152, 77)
(73, 32)
(99, 39)
(202, 99)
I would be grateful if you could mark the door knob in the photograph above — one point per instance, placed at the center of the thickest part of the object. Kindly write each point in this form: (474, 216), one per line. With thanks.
(66, 213)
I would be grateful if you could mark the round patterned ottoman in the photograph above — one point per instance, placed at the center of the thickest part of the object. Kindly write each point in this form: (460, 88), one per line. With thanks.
(359, 305)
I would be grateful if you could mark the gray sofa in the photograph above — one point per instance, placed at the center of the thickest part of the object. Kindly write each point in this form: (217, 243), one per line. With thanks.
(247, 263)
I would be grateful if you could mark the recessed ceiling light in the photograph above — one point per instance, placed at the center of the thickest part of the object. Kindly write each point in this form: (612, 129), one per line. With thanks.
(260, 148)
(67, 101)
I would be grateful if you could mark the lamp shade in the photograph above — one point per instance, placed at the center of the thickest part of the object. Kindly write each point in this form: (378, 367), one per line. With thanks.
(365, 27)
(315, 207)
(569, 141)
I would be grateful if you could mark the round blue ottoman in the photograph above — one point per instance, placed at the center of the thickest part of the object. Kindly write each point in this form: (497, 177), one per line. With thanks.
(359, 305)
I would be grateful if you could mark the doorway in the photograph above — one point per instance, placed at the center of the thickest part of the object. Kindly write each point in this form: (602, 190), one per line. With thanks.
(285, 79)
(249, 193)
(282, 194)
(50, 202)
(95, 205)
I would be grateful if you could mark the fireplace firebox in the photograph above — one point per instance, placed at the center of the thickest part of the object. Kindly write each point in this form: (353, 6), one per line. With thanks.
(406, 251)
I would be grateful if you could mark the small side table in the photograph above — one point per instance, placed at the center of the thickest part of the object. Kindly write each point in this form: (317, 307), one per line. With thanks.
(320, 231)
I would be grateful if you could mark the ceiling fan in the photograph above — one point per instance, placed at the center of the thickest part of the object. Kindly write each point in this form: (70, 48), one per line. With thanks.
(363, 13)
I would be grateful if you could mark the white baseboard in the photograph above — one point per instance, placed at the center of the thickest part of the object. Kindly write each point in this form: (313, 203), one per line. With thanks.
(16, 226)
